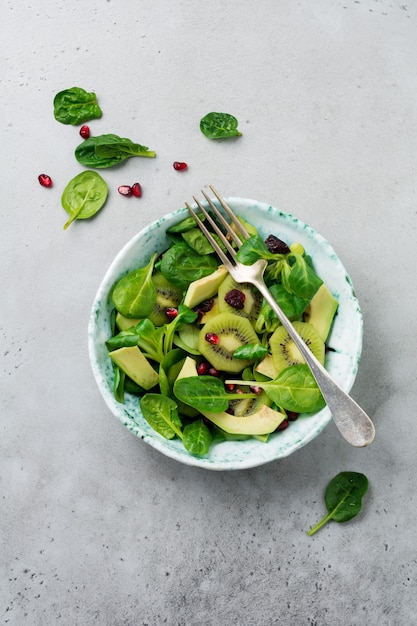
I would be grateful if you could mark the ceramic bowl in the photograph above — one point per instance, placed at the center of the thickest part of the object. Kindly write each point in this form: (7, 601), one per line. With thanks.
(342, 362)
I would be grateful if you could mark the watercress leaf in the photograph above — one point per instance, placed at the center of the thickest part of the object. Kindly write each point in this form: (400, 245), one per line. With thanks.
(84, 196)
(197, 437)
(76, 106)
(292, 305)
(302, 279)
(107, 150)
(219, 125)
(343, 498)
(250, 351)
(181, 265)
(295, 389)
(134, 295)
(205, 393)
(161, 414)
(145, 335)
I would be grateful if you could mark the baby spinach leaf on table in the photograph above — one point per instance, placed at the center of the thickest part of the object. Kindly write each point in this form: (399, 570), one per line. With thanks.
(181, 265)
(84, 196)
(219, 125)
(294, 389)
(134, 295)
(108, 150)
(197, 437)
(343, 498)
(76, 106)
(161, 414)
(206, 393)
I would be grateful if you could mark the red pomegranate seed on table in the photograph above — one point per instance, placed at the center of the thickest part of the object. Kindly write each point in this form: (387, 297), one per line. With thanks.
(136, 190)
(179, 166)
(125, 190)
(85, 132)
(45, 180)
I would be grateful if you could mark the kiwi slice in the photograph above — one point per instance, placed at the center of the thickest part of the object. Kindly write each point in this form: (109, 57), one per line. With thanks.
(228, 332)
(248, 406)
(285, 352)
(252, 299)
(167, 296)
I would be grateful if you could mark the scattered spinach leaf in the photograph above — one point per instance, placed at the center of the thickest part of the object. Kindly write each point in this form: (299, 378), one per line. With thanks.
(134, 295)
(219, 125)
(161, 414)
(197, 437)
(343, 498)
(84, 196)
(76, 106)
(108, 150)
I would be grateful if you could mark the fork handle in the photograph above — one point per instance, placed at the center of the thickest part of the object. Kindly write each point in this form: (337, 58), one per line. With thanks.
(354, 424)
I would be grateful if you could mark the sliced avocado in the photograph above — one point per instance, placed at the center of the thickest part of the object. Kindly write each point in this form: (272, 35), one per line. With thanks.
(205, 288)
(250, 229)
(136, 366)
(321, 311)
(124, 323)
(267, 367)
(188, 369)
(263, 422)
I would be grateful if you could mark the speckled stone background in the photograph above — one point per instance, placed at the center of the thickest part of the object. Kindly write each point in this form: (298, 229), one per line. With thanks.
(96, 526)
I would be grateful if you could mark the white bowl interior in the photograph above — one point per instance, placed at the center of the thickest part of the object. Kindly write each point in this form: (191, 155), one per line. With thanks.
(342, 362)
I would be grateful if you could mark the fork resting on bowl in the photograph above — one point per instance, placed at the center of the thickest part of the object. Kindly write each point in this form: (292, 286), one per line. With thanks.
(354, 424)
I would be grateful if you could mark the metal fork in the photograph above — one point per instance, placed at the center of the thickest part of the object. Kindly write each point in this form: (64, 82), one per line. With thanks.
(352, 421)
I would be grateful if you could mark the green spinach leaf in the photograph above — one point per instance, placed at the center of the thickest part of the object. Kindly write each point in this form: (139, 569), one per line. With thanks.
(302, 279)
(108, 150)
(84, 196)
(134, 295)
(294, 389)
(161, 414)
(181, 265)
(206, 393)
(197, 437)
(343, 498)
(219, 125)
(76, 106)
(149, 338)
(250, 351)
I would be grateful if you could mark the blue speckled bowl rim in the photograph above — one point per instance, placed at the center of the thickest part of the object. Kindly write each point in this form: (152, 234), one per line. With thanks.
(343, 363)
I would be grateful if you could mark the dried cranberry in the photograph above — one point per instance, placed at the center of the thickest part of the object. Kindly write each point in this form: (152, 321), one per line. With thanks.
(284, 424)
(202, 368)
(45, 180)
(136, 190)
(235, 298)
(125, 190)
(276, 246)
(206, 306)
(85, 132)
(171, 312)
(179, 166)
(212, 338)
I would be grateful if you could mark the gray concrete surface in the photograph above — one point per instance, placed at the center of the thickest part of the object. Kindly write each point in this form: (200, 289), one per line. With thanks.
(97, 527)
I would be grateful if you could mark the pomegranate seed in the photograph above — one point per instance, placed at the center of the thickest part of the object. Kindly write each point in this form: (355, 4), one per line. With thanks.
(125, 190)
(213, 372)
(171, 313)
(45, 180)
(284, 424)
(136, 190)
(255, 389)
(202, 368)
(230, 387)
(85, 132)
(179, 166)
(212, 338)
(235, 298)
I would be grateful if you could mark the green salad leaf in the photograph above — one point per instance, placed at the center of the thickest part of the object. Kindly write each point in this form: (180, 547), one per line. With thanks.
(219, 125)
(109, 150)
(76, 106)
(84, 196)
(343, 498)
(161, 414)
(134, 295)
(197, 437)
